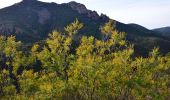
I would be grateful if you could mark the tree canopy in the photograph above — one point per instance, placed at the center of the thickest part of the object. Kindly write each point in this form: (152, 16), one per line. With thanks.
(94, 69)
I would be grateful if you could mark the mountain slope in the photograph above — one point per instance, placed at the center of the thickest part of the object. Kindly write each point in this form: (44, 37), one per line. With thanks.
(139, 27)
(32, 20)
(165, 31)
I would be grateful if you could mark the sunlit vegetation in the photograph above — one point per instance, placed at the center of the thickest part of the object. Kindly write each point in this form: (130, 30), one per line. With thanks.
(93, 69)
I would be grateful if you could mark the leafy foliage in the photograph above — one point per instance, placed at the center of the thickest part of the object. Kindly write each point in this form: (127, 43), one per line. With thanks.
(31, 22)
(98, 69)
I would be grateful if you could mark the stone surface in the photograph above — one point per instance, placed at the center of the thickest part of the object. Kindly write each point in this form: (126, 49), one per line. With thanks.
(78, 7)
(29, 0)
(43, 15)
(9, 29)
(81, 9)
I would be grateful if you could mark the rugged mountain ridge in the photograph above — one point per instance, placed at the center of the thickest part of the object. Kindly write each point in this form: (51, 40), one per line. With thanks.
(36, 19)
(32, 20)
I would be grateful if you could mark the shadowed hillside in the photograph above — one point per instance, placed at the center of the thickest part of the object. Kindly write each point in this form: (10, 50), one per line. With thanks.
(32, 20)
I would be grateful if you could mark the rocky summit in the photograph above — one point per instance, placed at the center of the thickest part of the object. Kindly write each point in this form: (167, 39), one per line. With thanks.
(81, 9)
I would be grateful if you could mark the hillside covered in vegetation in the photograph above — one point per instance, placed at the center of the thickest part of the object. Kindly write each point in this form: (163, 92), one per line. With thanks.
(93, 69)
(31, 21)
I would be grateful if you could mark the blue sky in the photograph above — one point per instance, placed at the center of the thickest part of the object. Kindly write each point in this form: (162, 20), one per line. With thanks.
(149, 13)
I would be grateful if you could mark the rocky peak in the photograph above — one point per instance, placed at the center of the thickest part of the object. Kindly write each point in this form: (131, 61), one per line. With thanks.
(78, 7)
(81, 9)
(29, 0)
(104, 17)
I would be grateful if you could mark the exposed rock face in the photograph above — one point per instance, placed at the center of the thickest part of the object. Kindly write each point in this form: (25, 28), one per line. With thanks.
(9, 29)
(6, 28)
(93, 15)
(104, 17)
(29, 0)
(81, 9)
(43, 15)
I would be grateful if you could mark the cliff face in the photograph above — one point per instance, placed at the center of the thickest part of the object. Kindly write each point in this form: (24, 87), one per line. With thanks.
(44, 15)
(32, 20)
(81, 9)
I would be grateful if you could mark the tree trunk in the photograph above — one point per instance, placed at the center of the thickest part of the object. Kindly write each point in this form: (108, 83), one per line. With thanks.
(14, 79)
